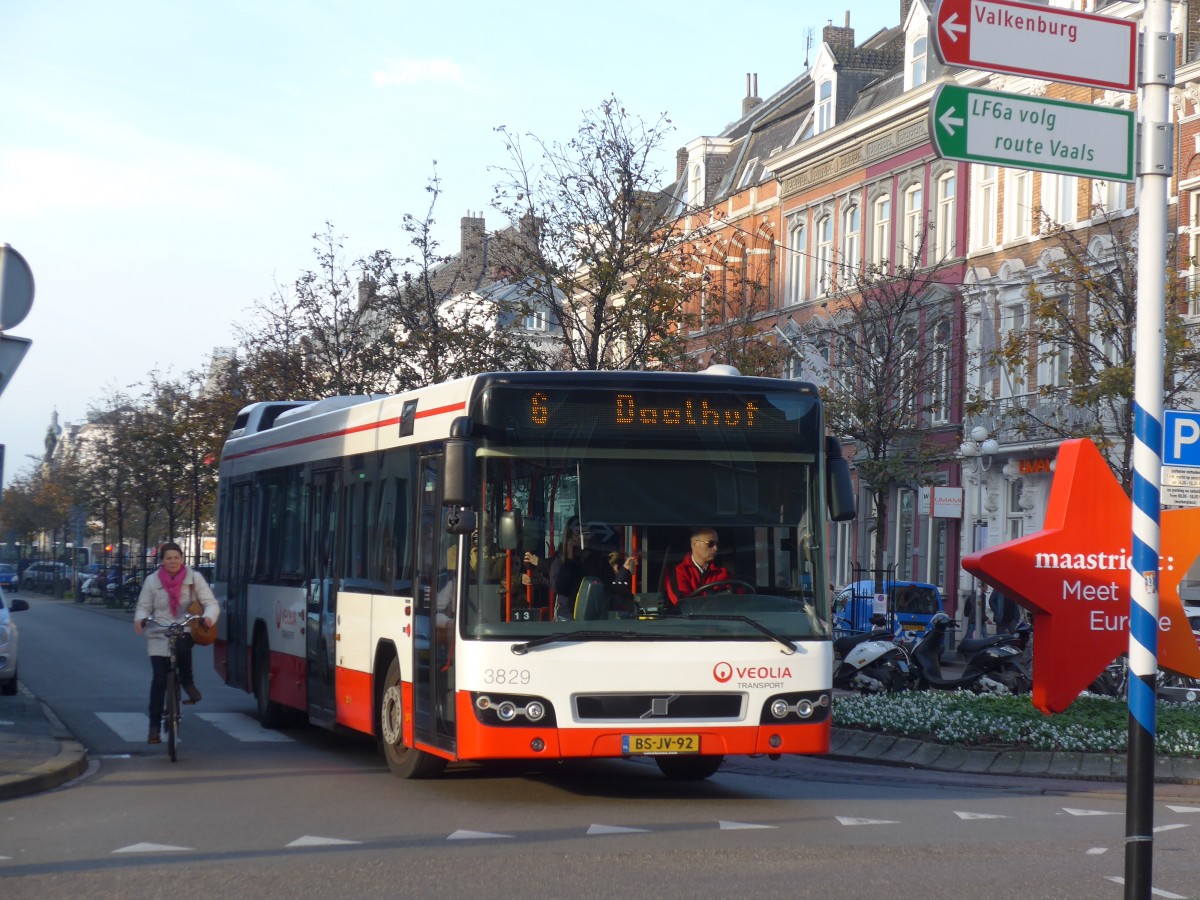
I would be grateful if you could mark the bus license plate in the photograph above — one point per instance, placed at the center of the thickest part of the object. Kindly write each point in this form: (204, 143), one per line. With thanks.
(913, 626)
(650, 744)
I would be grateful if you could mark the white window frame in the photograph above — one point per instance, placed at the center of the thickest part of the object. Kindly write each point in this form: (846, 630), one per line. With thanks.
(824, 105)
(1060, 196)
(1012, 322)
(917, 69)
(1193, 233)
(1018, 204)
(881, 230)
(1113, 196)
(851, 240)
(797, 290)
(825, 253)
(983, 206)
(946, 217)
(914, 218)
(939, 401)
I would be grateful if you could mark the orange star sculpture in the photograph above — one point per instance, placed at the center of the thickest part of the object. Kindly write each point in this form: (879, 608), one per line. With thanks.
(1074, 577)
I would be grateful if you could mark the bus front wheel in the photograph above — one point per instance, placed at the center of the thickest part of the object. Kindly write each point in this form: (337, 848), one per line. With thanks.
(402, 760)
(688, 768)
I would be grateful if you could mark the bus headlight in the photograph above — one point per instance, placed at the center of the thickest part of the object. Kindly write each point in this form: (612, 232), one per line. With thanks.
(779, 708)
(507, 711)
(515, 710)
(534, 711)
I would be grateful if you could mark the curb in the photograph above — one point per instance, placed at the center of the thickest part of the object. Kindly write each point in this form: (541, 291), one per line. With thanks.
(69, 762)
(850, 745)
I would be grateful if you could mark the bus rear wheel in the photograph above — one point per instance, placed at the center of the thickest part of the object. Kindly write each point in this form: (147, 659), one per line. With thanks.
(688, 768)
(402, 760)
(270, 713)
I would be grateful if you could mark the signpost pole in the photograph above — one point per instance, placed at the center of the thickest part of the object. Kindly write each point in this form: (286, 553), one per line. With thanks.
(1157, 74)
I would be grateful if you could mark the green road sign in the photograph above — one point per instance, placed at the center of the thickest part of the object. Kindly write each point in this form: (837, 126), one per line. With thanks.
(974, 125)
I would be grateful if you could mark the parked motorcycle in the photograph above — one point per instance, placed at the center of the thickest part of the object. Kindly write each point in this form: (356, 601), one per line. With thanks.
(870, 662)
(993, 667)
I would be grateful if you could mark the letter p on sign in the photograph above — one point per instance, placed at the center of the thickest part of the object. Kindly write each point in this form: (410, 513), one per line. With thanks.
(1182, 438)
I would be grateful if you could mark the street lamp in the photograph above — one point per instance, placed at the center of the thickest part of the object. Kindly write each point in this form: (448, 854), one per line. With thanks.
(979, 448)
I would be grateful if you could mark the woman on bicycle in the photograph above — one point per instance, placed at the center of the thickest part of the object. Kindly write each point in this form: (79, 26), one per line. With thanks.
(165, 596)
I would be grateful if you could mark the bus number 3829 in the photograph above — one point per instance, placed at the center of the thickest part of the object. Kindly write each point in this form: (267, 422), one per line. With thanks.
(506, 676)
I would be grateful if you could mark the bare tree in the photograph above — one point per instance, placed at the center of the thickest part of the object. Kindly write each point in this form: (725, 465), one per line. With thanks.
(881, 357)
(599, 246)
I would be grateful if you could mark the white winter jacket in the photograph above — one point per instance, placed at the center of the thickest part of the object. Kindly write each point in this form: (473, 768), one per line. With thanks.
(153, 601)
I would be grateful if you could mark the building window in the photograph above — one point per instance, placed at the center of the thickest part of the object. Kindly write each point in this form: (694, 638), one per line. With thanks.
(696, 188)
(1194, 253)
(1054, 365)
(1108, 196)
(1016, 515)
(881, 231)
(797, 257)
(918, 57)
(1060, 193)
(1012, 330)
(983, 208)
(914, 199)
(851, 241)
(825, 106)
(939, 400)
(944, 223)
(824, 253)
(1018, 204)
(537, 319)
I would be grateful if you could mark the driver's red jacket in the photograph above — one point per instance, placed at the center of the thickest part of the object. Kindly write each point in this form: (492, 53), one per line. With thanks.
(687, 578)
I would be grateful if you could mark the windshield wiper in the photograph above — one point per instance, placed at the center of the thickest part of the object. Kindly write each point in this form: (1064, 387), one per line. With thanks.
(789, 647)
(522, 648)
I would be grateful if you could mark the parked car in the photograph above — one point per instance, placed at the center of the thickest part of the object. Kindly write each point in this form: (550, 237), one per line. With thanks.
(41, 576)
(911, 604)
(8, 642)
(9, 578)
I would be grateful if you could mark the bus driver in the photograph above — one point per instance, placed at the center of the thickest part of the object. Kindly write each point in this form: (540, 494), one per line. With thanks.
(698, 568)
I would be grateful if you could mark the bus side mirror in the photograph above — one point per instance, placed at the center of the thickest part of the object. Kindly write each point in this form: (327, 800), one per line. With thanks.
(839, 489)
(510, 529)
(458, 465)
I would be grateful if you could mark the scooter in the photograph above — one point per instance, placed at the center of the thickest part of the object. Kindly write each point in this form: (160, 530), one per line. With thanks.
(995, 667)
(871, 662)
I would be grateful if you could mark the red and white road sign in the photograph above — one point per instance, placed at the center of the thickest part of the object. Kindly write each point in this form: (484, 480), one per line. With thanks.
(1052, 44)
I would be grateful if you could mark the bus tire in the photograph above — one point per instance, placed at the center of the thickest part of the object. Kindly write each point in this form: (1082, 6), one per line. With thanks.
(403, 761)
(688, 768)
(270, 713)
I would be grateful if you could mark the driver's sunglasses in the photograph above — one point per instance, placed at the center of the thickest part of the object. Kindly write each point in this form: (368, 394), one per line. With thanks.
(709, 544)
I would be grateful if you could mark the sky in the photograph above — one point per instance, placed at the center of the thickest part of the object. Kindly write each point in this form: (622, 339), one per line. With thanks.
(163, 166)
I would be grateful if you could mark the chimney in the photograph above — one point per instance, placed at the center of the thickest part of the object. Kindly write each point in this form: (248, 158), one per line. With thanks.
(471, 249)
(681, 157)
(752, 99)
(837, 38)
(366, 292)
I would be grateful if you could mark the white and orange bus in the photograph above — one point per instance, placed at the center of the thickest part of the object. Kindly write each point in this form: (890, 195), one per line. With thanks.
(374, 570)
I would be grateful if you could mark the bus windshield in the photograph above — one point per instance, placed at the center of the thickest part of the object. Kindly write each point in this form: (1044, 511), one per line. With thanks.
(586, 543)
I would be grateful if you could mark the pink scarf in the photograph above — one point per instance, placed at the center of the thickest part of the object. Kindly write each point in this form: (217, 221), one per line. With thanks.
(172, 586)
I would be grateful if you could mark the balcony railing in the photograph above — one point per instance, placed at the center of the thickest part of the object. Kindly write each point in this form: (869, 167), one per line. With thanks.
(1037, 418)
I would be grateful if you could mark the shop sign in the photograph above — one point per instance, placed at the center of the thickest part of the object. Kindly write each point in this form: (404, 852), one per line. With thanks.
(1074, 577)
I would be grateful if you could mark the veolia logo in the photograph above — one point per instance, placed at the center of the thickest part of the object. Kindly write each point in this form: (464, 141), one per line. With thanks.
(284, 616)
(722, 672)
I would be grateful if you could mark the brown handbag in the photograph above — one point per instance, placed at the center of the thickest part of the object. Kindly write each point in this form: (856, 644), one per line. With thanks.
(201, 634)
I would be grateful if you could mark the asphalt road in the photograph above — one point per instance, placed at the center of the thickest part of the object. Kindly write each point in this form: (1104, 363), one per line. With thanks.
(307, 813)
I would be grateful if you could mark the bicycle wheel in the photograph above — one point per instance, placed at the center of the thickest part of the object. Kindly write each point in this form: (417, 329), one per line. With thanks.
(171, 713)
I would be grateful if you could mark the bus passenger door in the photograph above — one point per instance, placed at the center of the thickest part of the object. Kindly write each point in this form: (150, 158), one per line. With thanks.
(434, 616)
(236, 566)
(324, 493)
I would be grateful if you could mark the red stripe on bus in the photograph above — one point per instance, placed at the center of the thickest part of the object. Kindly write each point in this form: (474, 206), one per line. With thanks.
(454, 407)
(353, 699)
(289, 686)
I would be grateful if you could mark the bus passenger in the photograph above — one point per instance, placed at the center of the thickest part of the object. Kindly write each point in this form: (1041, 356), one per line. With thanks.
(698, 568)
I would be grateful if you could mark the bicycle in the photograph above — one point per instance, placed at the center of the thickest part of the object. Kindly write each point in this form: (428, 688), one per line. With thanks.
(172, 700)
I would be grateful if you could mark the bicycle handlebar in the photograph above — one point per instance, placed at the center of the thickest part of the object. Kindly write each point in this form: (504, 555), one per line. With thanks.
(187, 619)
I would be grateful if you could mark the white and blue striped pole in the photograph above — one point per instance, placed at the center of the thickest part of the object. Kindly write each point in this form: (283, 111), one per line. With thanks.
(1155, 166)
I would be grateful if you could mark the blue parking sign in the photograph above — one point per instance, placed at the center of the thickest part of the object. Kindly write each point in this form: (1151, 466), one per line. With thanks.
(1181, 438)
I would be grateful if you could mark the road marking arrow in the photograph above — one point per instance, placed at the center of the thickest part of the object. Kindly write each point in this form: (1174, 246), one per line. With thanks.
(953, 29)
(949, 120)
